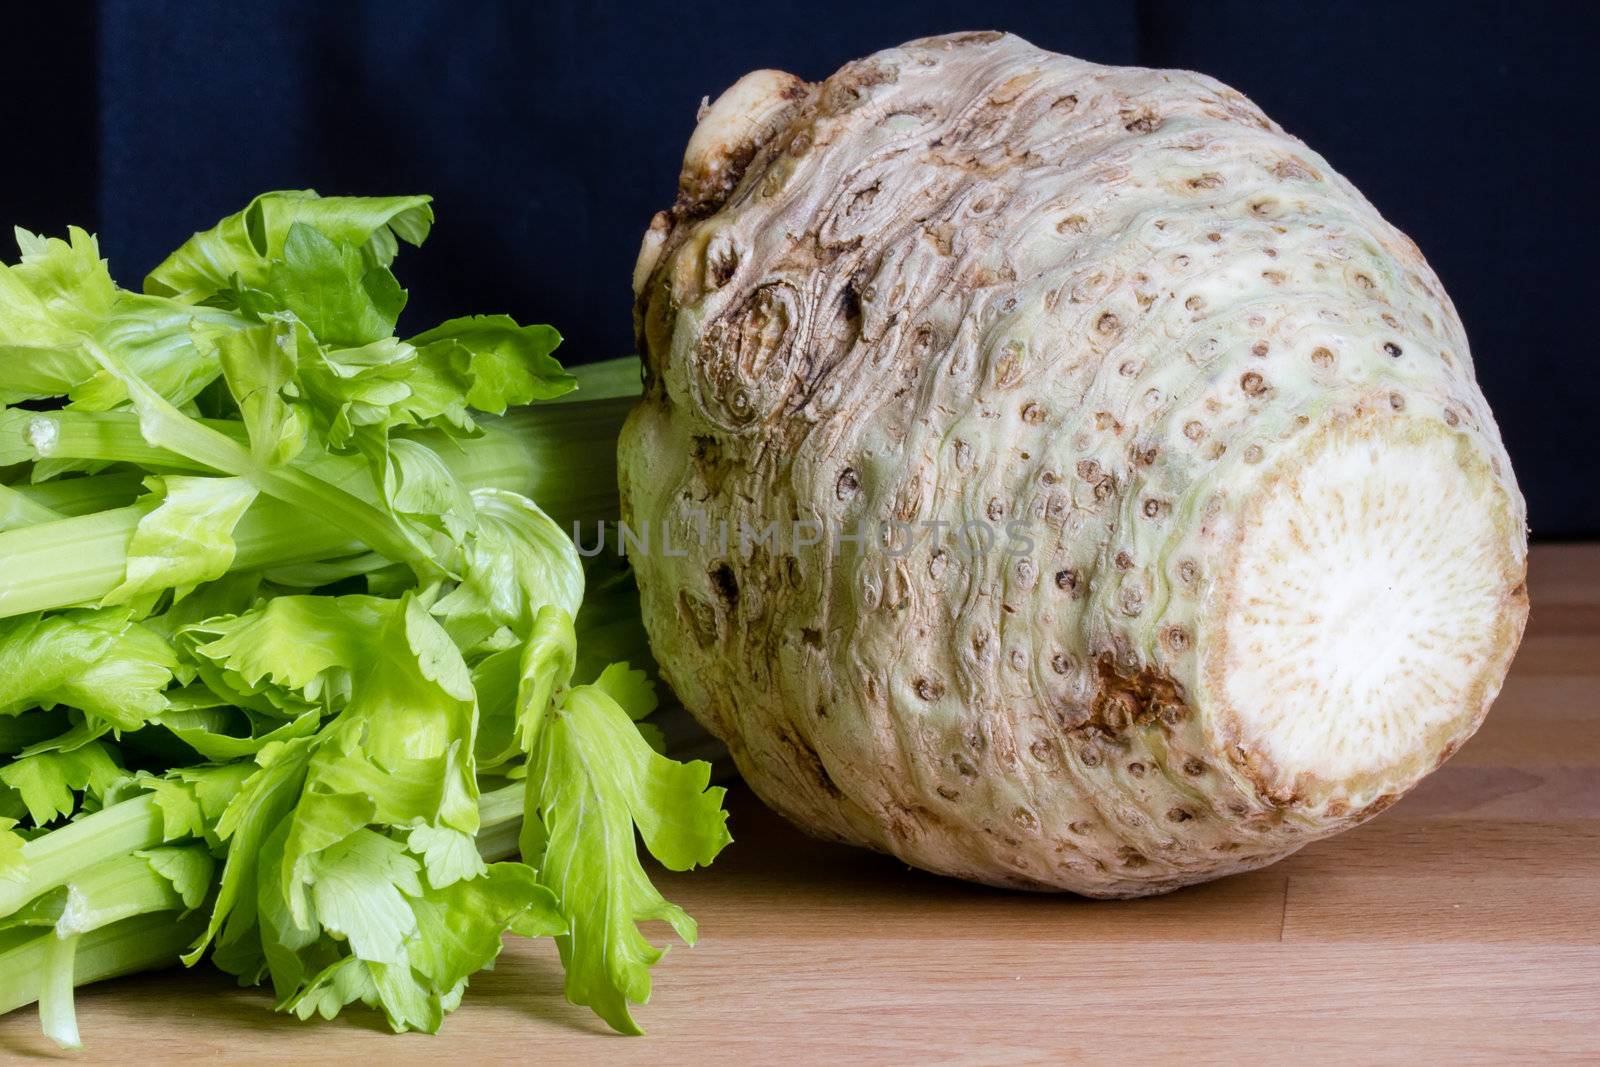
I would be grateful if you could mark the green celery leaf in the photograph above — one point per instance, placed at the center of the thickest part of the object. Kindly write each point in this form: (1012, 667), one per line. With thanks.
(211, 739)
(292, 948)
(156, 339)
(188, 869)
(59, 295)
(48, 780)
(99, 661)
(496, 678)
(414, 700)
(339, 984)
(320, 821)
(215, 787)
(501, 363)
(408, 1002)
(256, 811)
(418, 484)
(56, 292)
(448, 855)
(257, 363)
(547, 661)
(403, 792)
(399, 752)
(232, 594)
(517, 563)
(246, 244)
(631, 689)
(187, 539)
(349, 390)
(87, 728)
(460, 925)
(593, 780)
(361, 888)
(181, 815)
(458, 932)
(331, 288)
(290, 651)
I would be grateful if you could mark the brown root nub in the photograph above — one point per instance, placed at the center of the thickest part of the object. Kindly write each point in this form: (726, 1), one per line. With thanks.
(730, 133)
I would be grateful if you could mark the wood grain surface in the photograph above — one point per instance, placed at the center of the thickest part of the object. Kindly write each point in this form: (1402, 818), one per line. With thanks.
(1460, 926)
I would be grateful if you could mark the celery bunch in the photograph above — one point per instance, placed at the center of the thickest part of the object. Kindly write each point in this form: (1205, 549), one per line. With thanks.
(291, 650)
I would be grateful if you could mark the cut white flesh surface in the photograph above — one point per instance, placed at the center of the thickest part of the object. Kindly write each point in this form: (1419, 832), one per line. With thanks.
(1370, 600)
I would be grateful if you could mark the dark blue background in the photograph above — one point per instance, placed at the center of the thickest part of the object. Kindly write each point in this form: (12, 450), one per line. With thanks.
(550, 133)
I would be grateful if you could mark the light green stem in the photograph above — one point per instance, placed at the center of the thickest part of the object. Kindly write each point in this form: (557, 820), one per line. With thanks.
(52, 859)
(499, 821)
(19, 509)
(142, 943)
(82, 496)
(152, 938)
(57, 1015)
(605, 380)
(563, 456)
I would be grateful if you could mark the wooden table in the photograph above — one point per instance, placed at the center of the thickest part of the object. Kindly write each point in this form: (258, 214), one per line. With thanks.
(1462, 924)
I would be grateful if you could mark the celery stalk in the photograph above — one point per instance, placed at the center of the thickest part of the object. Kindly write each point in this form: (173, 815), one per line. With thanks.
(157, 932)
(560, 455)
(53, 859)
(141, 943)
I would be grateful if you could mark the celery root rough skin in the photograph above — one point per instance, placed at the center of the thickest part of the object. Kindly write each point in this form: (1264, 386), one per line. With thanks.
(1278, 551)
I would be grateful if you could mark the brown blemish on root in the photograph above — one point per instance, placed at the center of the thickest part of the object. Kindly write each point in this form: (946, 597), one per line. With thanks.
(811, 763)
(726, 585)
(699, 618)
(1128, 698)
(1141, 120)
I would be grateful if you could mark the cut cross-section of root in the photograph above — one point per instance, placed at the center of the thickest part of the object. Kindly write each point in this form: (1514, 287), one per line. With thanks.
(1366, 610)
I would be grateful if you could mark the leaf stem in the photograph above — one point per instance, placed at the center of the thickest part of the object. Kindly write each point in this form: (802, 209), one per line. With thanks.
(563, 455)
(52, 859)
(141, 943)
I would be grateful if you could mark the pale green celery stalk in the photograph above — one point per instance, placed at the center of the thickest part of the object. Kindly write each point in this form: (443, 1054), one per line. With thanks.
(17, 509)
(110, 436)
(84, 495)
(116, 889)
(555, 440)
(155, 939)
(58, 1017)
(161, 422)
(563, 457)
(114, 437)
(104, 895)
(55, 858)
(80, 560)
(142, 943)
(306, 494)
(500, 821)
(571, 469)
(604, 380)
